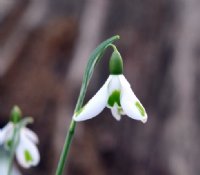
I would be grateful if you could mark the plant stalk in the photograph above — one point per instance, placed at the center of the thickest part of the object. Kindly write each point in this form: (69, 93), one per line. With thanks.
(94, 58)
(15, 139)
(66, 147)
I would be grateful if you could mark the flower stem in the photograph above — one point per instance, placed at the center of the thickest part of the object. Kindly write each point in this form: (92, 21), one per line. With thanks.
(94, 58)
(14, 142)
(66, 147)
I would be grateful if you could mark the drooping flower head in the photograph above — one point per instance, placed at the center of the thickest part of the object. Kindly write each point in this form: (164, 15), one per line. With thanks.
(26, 152)
(116, 94)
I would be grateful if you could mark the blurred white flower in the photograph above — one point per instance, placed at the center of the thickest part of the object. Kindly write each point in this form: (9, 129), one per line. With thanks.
(116, 94)
(4, 132)
(1, 137)
(27, 153)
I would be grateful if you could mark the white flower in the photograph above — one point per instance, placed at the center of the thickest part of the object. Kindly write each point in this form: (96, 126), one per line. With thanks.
(27, 153)
(116, 94)
(5, 132)
(1, 137)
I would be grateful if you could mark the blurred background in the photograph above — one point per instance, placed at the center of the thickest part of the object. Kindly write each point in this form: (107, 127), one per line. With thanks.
(44, 47)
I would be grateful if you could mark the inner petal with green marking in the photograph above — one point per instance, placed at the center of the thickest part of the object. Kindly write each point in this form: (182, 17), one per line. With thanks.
(114, 98)
(9, 144)
(120, 110)
(28, 156)
(140, 108)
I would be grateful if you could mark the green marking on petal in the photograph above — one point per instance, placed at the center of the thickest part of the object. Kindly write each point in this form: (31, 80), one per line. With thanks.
(28, 156)
(114, 98)
(140, 108)
(9, 144)
(119, 110)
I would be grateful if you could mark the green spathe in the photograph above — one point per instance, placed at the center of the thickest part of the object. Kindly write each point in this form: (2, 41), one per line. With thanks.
(116, 63)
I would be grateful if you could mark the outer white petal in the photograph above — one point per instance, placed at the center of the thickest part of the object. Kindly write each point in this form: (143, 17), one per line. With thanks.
(115, 112)
(114, 84)
(26, 145)
(95, 105)
(30, 134)
(129, 101)
(6, 133)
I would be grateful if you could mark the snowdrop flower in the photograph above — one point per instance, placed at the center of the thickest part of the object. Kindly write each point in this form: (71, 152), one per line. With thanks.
(116, 94)
(27, 153)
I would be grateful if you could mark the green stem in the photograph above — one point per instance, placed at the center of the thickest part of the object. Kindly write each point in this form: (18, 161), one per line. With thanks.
(94, 58)
(14, 142)
(66, 147)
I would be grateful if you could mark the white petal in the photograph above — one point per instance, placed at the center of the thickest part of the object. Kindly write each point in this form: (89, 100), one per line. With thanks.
(8, 128)
(6, 133)
(130, 103)
(114, 87)
(27, 153)
(95, 105)
(114, 84)
(30, 134)
(115, 112)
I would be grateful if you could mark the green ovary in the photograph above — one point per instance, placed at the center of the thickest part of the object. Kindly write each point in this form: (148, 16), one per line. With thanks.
(114, 98)
(28, 156)
(140, 108)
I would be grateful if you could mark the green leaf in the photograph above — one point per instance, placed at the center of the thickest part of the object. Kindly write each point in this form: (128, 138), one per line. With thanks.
(93, 59)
